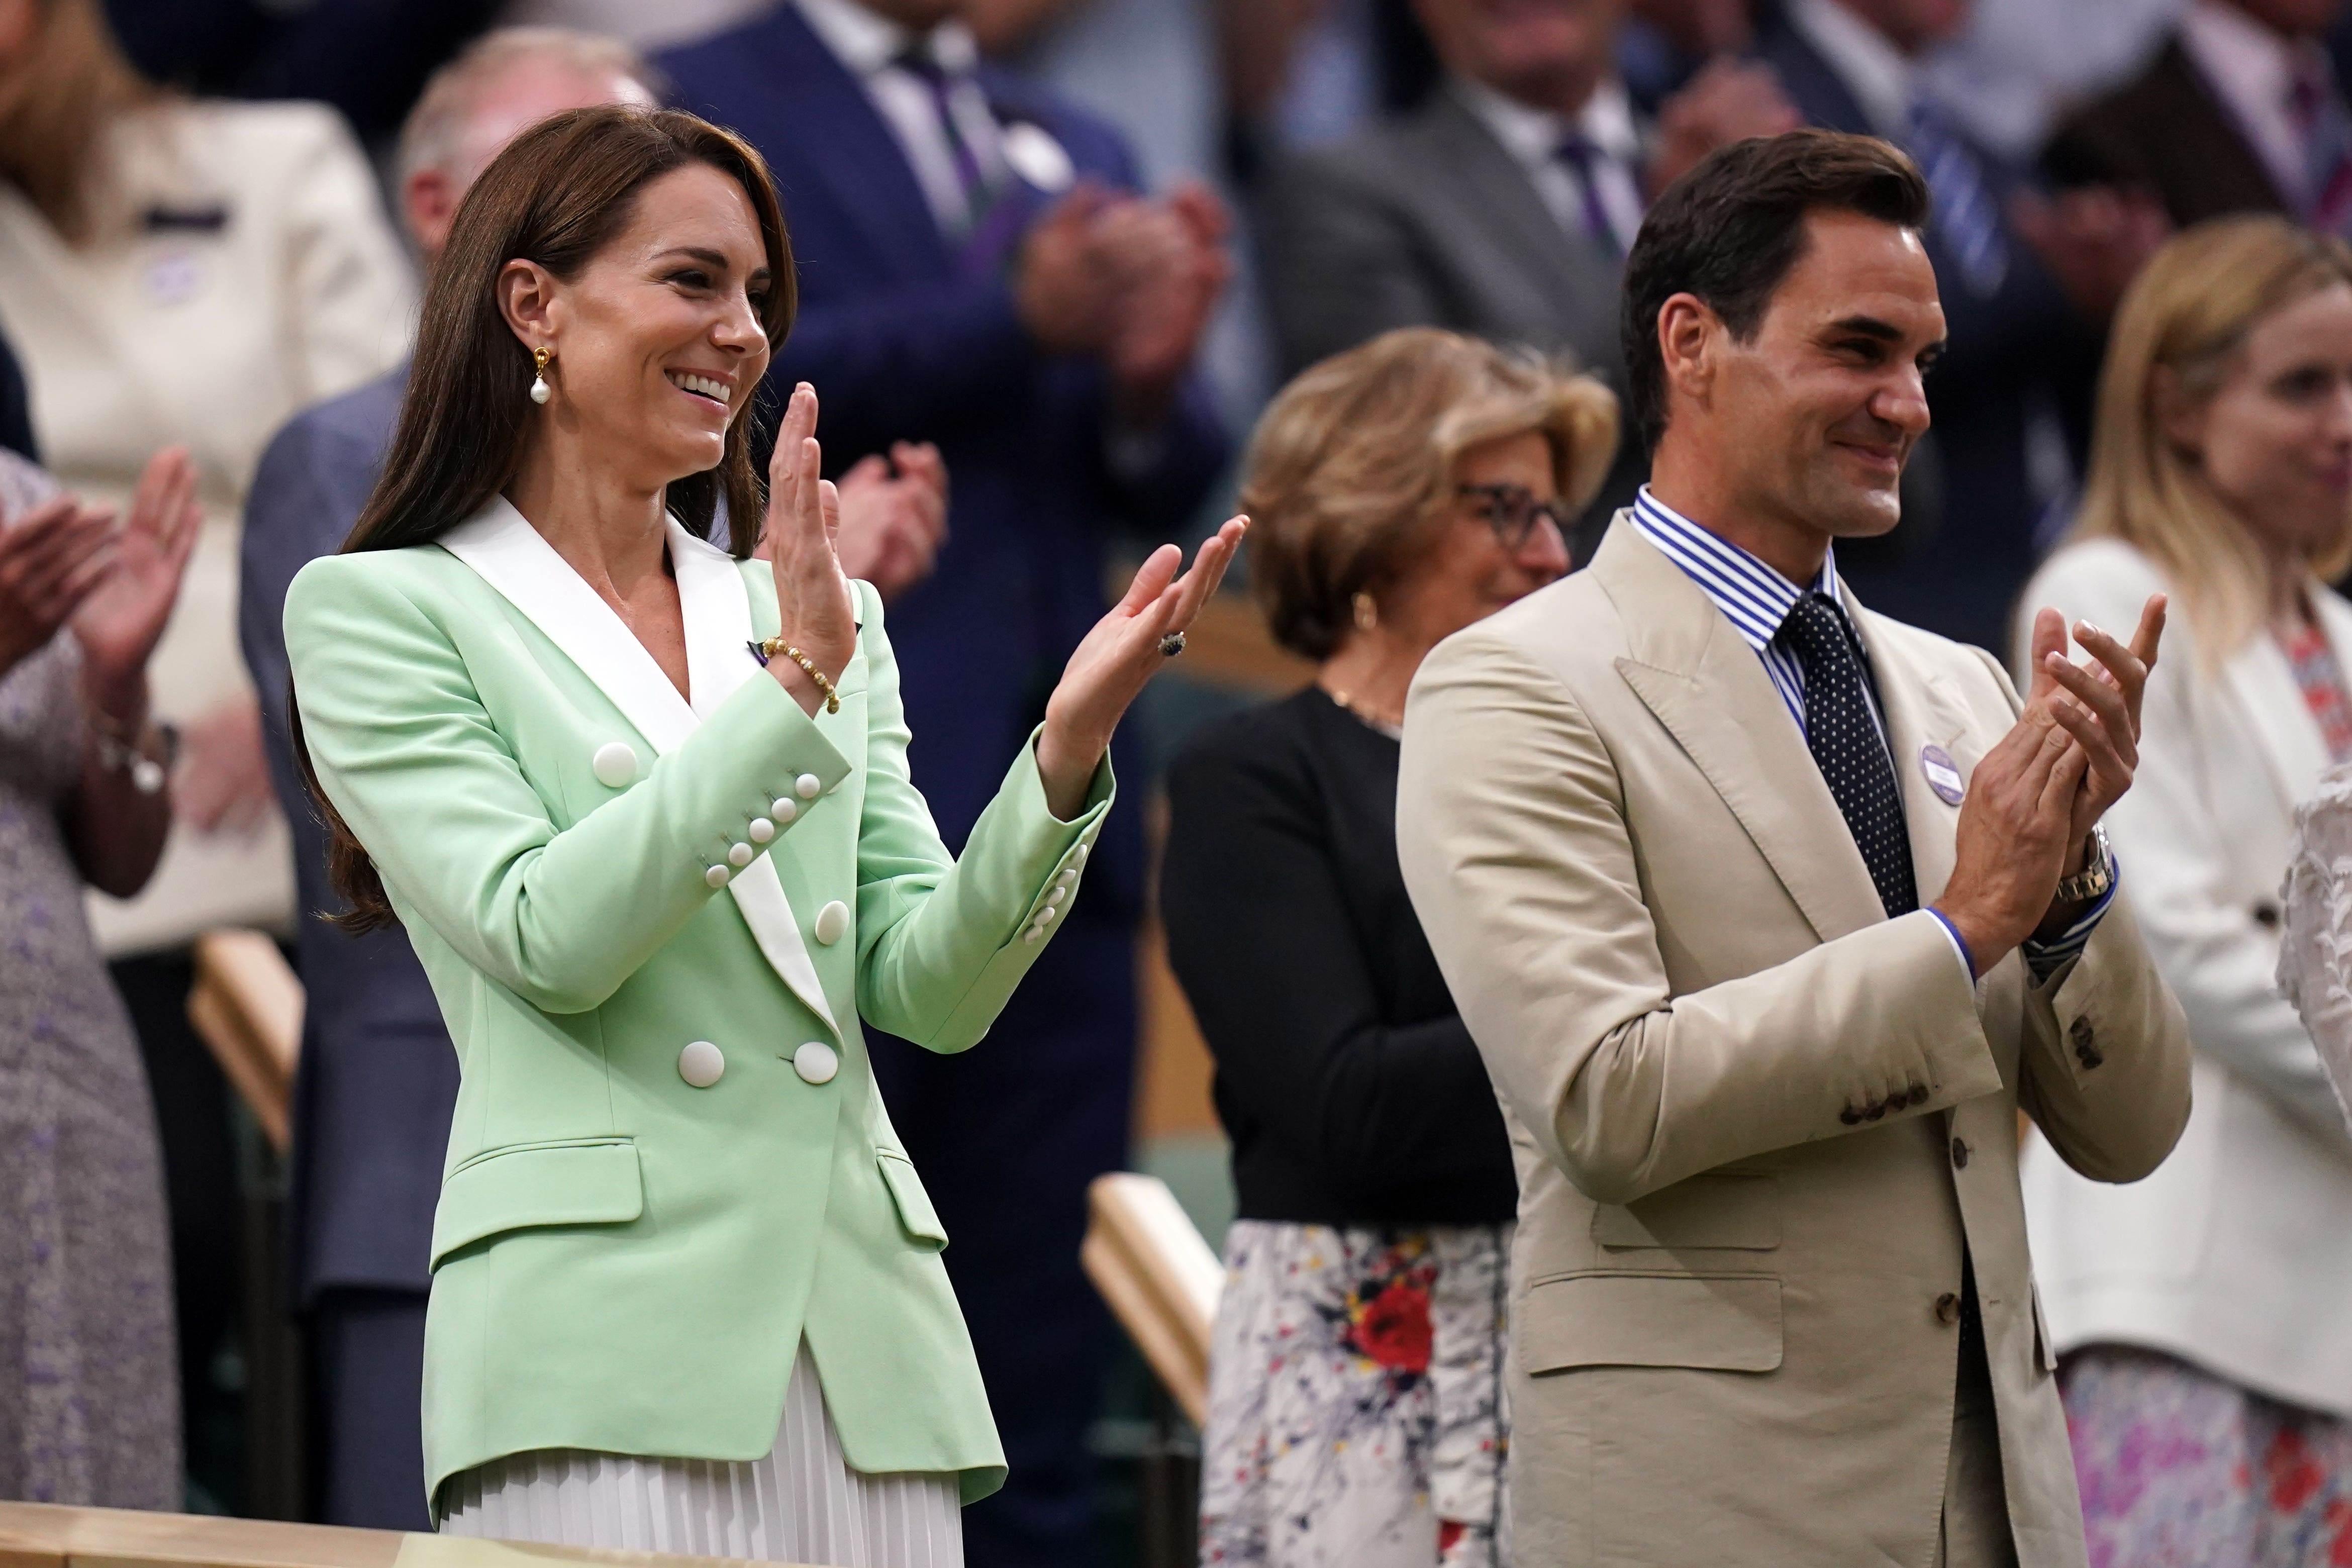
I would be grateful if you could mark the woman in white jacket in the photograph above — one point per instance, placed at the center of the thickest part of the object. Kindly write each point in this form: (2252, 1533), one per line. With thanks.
(2201, 1312)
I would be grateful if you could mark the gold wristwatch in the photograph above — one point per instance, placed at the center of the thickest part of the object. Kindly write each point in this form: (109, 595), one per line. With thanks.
(2091, 884)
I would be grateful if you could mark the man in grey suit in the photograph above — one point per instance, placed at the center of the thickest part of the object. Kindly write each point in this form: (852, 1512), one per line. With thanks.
(1504, 205)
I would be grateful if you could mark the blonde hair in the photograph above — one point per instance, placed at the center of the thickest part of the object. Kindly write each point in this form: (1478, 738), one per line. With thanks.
(72, 84)
(435, 128)
(1353, 464)
(2188, 314)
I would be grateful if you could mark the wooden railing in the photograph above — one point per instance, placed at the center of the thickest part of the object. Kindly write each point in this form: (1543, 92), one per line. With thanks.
(1159, 1279)
(248, 1007)
(36, 1535)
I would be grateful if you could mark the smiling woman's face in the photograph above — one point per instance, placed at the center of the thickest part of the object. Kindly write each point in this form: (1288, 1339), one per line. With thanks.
(658, 341)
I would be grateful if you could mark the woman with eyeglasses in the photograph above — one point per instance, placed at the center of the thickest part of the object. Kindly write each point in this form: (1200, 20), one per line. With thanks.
(1400, 491)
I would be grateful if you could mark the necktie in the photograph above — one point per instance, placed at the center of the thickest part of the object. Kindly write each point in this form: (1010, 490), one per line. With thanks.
(2320, 119)
(995, 217)
(1848, 748)
(1583, 155)
(1965, 211)
(919, 63)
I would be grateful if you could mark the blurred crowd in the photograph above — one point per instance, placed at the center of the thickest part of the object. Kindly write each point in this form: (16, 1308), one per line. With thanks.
(1056, 257)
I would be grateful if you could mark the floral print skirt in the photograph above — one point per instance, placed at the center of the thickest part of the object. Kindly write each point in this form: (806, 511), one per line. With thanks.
(2181, 1469)
(1357, 1414)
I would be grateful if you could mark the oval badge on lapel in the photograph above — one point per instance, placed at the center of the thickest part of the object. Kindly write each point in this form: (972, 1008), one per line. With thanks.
(1038, 158)
(1943, 774)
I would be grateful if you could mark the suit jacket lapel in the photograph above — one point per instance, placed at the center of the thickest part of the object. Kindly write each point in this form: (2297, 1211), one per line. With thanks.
(505, 551)
(1465, 151)
(1706, 686)
(2262, 682)
(822, 105)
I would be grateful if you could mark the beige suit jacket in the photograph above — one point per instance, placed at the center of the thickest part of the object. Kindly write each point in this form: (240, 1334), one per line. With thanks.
(1734, 1325)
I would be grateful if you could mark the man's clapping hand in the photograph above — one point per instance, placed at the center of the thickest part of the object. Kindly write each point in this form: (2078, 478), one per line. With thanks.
(894, 517)
(1130, 280)
(2035, 796)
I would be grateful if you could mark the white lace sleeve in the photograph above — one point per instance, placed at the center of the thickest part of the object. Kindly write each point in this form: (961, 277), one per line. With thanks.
(2314, 969)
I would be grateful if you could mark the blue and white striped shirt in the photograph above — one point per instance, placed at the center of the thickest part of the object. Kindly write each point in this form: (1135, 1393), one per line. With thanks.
(1756, 600)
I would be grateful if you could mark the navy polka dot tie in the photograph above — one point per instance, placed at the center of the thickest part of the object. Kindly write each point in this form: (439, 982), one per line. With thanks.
(1847, 748)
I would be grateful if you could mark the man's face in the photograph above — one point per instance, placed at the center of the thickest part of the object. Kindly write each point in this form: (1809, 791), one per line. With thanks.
(1913, 26)
(523, 94)
(1548, 53)
(1814, 417)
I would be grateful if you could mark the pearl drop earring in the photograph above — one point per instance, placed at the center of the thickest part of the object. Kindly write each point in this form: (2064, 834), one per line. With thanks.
(539, 390)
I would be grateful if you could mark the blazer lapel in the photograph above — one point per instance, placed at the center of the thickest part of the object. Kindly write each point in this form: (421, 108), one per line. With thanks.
(505, 551)
(1706, 686)
(2262, 682)
(826, 107)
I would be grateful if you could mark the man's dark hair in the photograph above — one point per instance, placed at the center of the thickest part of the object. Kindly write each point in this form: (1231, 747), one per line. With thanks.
(1730, 230)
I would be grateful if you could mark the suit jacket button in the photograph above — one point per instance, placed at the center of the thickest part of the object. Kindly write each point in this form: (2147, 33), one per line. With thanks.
(741, 856)
(1919, 1094)
(806, 786)
(832, 923)
(784, 808)
(701, 1064)
(614, 764)
(2089, 1058)
(816, 1062)
(1877, 1109)
(1959, 1154)
(1947, 1308)
(1850, 1116)
(2082, 1033)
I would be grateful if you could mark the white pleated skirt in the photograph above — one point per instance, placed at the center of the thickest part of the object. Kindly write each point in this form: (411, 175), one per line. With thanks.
(802, 1503)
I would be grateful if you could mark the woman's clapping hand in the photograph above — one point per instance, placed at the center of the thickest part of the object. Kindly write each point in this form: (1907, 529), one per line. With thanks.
(1118, 658)
(812, 597)
(120, 622)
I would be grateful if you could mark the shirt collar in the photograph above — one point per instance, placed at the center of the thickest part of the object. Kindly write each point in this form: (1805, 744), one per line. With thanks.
(1752, 596)
(1533, 136)
(867, 42)
(1877, 73)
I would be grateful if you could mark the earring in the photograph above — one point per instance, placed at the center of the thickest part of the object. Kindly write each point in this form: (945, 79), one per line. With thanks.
(1368, 613)
(539, 390)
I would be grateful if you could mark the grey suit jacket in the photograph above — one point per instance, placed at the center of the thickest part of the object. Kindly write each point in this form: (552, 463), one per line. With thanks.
(379, 1077)
(1428, 221)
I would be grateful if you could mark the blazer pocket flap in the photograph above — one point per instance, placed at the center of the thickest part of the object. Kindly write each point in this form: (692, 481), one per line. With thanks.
(915, 1211)
(588, 1182)
(1735, 1212)
(1718, 1323)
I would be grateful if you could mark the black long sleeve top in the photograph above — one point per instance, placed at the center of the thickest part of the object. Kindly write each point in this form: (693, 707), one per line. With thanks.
(1346, 1080)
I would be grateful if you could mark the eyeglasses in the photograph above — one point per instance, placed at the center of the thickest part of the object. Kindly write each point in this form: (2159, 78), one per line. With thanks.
(1513, 511)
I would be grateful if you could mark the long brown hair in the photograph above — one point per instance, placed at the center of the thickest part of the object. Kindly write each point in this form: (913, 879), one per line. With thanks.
(2187, 315)
(60, 99)
(556, 196)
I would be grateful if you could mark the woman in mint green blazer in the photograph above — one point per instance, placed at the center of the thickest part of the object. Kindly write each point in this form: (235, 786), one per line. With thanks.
(645, 810)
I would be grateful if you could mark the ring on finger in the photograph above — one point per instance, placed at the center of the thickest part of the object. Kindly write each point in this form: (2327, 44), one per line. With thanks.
(1171, 645)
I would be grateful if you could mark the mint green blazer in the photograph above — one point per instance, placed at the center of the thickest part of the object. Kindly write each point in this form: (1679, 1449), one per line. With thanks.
(655, 928)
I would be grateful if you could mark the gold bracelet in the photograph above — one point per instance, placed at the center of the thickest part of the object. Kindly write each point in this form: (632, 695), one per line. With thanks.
(771, 647)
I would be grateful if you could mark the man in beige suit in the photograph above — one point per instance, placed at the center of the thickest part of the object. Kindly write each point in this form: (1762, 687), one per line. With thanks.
(1768, 915)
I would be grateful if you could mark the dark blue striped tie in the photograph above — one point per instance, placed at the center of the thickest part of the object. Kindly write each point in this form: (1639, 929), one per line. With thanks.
(1966, 213)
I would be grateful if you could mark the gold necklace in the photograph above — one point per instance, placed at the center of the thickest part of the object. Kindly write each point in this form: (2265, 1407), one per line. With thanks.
(1364, 710)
